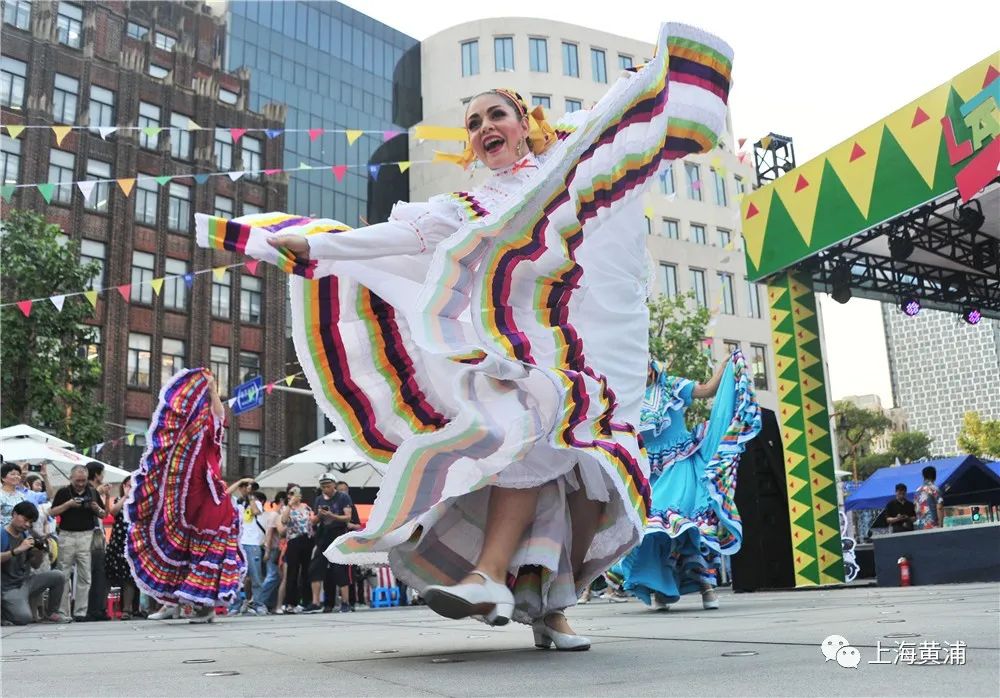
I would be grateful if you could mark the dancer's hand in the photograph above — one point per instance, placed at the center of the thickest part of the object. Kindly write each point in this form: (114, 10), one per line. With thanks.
(296, 244)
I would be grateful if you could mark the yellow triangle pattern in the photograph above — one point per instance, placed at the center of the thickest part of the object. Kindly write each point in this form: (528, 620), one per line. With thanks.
(825, 533)
(970, 82)
(805, 360)
(786, 388)
(817, 480)
(777, 316)
(801, 312)
(792, 459)
(811, 408)
(799, 536)
(821, 507)
(919, 142)
(801, 204)
(779, 340)
(826, 578)
(754, 227)
(803, 581)
(795, 484)
(788, 434)
(817, 459)
(858, 176)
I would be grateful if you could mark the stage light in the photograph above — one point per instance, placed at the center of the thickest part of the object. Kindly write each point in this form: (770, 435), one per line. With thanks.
(910, 306)
(840, 281)
(970, 216)
(972, 316)
(956, 288)
(900, 248)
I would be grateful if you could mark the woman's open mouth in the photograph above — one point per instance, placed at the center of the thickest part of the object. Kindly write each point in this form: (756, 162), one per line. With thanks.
(493, 144)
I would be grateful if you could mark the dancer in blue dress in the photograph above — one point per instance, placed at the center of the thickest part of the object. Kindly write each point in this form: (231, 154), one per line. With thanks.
(693, 521)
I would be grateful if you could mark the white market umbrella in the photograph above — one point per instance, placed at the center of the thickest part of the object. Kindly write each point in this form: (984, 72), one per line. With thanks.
(27, 450)
(329, 454)
(26, 431)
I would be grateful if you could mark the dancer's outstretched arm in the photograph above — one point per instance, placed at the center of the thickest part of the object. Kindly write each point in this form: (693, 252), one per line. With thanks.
(710, 388)
(379, 240)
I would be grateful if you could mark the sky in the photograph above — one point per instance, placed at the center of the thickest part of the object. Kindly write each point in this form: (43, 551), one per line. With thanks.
(818, 72)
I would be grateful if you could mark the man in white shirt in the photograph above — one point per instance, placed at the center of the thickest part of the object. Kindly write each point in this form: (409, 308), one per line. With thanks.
(252, 544)
(272, 553)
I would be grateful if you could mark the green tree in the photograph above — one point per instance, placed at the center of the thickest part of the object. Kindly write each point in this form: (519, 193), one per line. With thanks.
(980, 437)
(872, 462)
(856, 428)
(47, 381)
(910, 446)
(677, 339)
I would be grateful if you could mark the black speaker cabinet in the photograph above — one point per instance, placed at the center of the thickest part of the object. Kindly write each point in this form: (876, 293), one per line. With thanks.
(765, 560)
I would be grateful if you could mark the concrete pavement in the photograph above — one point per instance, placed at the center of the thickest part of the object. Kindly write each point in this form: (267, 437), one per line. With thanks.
(765, 644)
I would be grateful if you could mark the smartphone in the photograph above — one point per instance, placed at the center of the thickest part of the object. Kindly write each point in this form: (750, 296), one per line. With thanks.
(34, 467)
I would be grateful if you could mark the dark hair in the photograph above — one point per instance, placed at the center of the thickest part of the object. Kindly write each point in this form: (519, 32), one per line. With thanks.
(121, 486)
(929, 473)
(261, 497)
(8, 468)
(901, 487)
(281, 498)
(27, 510)
(94, 469)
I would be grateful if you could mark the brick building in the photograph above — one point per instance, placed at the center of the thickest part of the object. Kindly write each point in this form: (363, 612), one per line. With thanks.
(151, 64)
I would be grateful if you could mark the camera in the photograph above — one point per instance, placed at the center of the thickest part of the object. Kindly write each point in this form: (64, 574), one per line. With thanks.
(84, 500)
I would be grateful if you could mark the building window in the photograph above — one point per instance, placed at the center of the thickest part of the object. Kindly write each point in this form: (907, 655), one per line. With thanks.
(180, 137)
(251, 158)
(698, 234)
(599, 65)
(143, 265)
(250, 297)
(720, 188)
(649, 225)
(164, 41)
(12, 74)
(219, 364)
(624, 62)
(69, 24)
(759, 361)
(470, 58)
(179, 208)
(10, 159)
(731, 346)
(227, 97)
(172, 359)
(102, 107)
(668, 280)
(538, 52)
(249, 366)
(698, 286)
(91, 351)
(61, 166)
(223, 149)
(146, 200)
(139, 346)
(93, 251)
(573, 105)
(137, 31)
(667, 180)
(158, 71)
(17, 13)
(541, 101)
(221, 293)
(64, 97)
(753, 293)
(741, 186)
(571, 60)
(174, 286)
(503, 49)
(249, 451)
(98, 201)
(693, 180)
(149, 117)
(725, 237)
(250, 209)
(728, 300)
(671, 229)
(223, 207)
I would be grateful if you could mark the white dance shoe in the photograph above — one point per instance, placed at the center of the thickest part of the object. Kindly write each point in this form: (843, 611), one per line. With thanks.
(659, 602)
(491, 600)
(545, 637)
(166, 613)
(709, 600)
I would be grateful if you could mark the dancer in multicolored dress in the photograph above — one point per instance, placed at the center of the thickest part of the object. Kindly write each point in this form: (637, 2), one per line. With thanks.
(183, 530)
(487, 348)
(693, 521)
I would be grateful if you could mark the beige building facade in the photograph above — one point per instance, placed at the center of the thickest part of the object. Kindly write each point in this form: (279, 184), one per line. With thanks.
(693, 213)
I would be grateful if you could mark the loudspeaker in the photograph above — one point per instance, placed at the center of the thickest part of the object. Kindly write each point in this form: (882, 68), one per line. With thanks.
(765, 560)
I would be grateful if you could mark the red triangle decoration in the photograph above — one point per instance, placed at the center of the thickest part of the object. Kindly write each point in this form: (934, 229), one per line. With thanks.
(991, 75)
(237, 133)
(125, 290)
(857, 152)
(252, 266)
(273, 172)
(919, 117)
(801, 184)
(315, 133)
(339, 171)
(752, 211)
(269, 388)
(24, 307)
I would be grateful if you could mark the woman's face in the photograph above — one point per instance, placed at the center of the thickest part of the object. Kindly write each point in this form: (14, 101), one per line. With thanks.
(12, 479)
(495, 130)
(37, 485)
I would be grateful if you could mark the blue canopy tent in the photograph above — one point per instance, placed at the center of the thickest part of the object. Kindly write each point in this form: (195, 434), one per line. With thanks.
(962, 480)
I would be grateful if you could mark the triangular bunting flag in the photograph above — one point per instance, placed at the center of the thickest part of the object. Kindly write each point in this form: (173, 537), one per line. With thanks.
(98, 447)
(232, 401)
(352, 136)
(7, 192)
(58, 301)
(274, 132)
(740, 142)
(765, 142)
(130, 439)
(404, 165)
(373, 170)
(389, 135)
(92, 297)
(304, 166)
(14, 130)
(46, 191)
(219, 273)
(235, 175)
(192, 125)
(86, 188)
(315, 133)
(106, 131)
(189, 279)
(269, 388)
(86, 451)
(24, 307)
(126, 185)
(919, 117)
(157, 285)
(237, 134)
(162, 181)
(200, 178)
(289, 380)
(339, 171)
(152, 131)
(125, 290)
(272, 172)
(252, 266)
(61, 132)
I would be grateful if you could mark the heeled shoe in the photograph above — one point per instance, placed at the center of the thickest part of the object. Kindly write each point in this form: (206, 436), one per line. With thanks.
(166, 613)
(545, 637)
(659, 602)
(492, 600)
(709, 600)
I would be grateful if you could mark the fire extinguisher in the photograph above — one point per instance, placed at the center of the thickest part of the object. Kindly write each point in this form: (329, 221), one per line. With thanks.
(904, 571)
